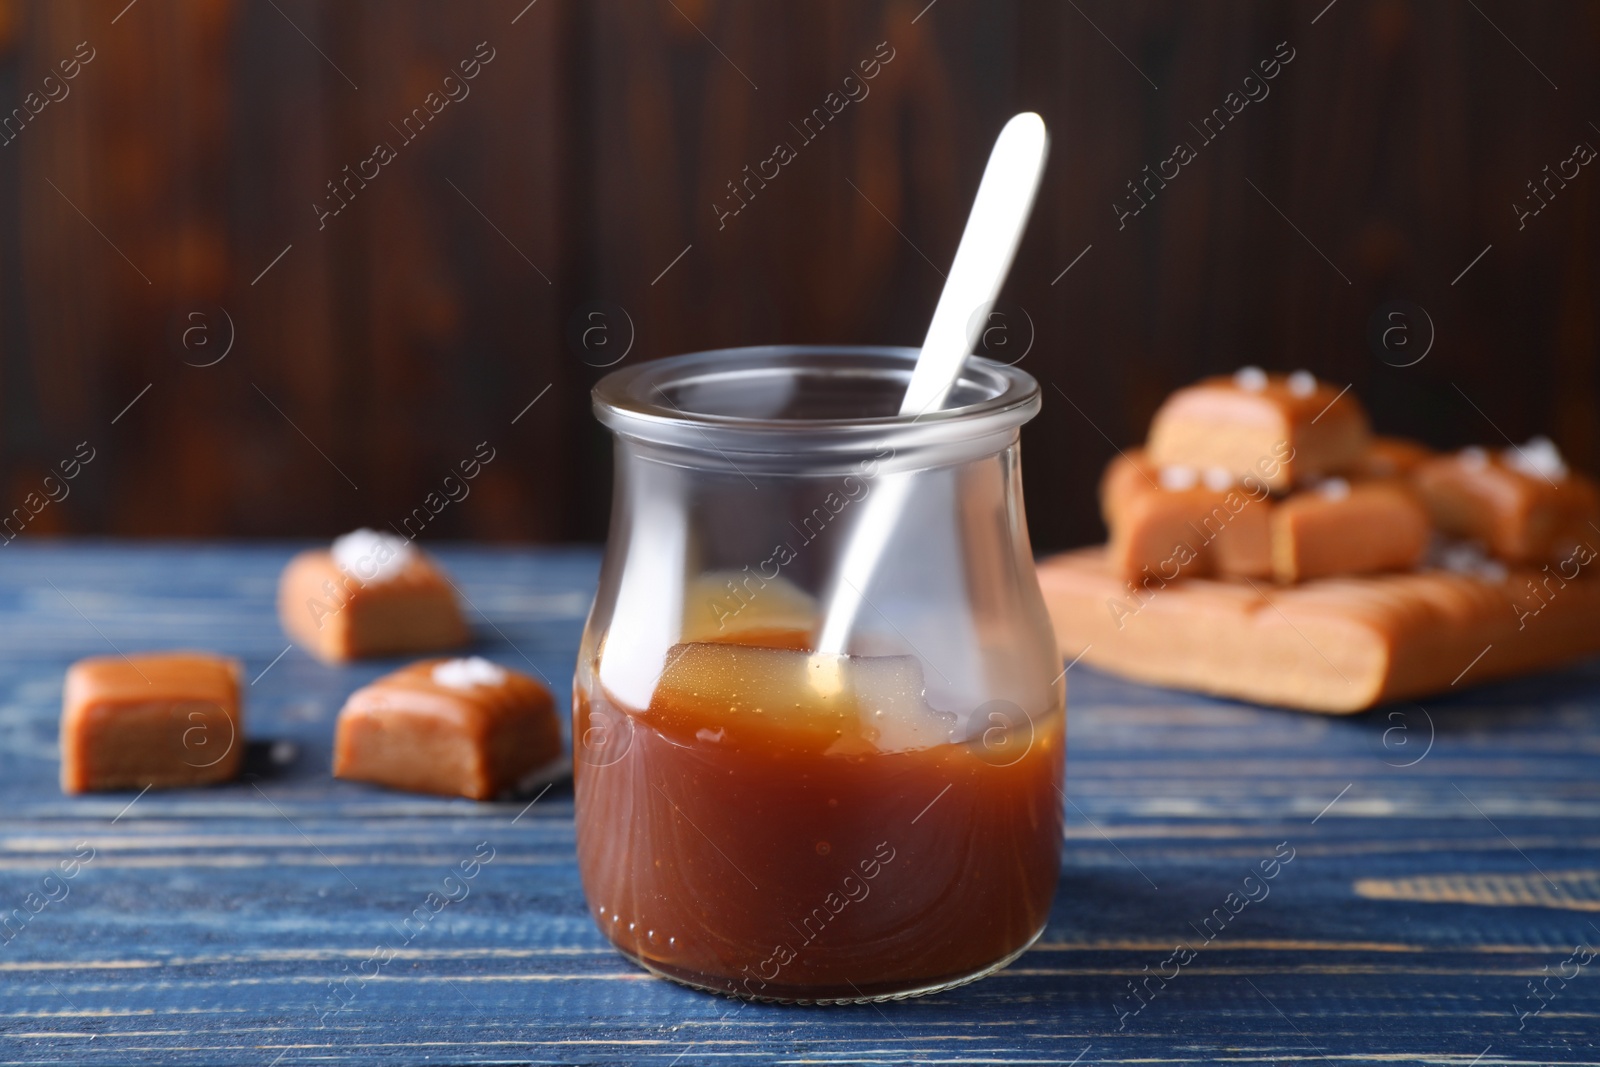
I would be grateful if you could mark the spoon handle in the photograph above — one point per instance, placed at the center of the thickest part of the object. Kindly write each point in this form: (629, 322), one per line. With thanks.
(994, 227)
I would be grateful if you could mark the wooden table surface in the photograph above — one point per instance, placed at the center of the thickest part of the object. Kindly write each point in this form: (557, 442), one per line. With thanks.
(1444, 858)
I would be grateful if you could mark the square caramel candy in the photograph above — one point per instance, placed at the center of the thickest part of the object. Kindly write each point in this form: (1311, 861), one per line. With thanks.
(372, 594)
(458, 727)
(1341, 528)
(1523, 504)
(1128, 476)
(1390, 457)
(161, 719)
(1172, 522)
(1285, 429)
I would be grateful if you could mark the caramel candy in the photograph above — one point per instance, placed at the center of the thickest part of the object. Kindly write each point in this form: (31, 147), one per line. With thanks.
(1127, 476)
(462, 727)
(1523, 503)
(1390, 457)
(1341, 527)
(1335, 645)
(373, 594)
(161, 719)
(1283, 429)
(1173, 521)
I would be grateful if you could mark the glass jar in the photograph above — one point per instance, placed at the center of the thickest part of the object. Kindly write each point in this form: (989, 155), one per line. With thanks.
(758, 819)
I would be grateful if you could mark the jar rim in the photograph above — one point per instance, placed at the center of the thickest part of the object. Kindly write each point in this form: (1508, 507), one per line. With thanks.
(634, 402)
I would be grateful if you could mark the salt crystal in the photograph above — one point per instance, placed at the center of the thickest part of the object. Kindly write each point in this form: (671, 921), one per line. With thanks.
(1218, 480)
(1539, 458)
(1459, 557)
(1473, 458)
(1467, 558)
(1302, 383)
(1178, 479)
(1334, 488)
(468, 673)
(1251, 379)
(372, 556)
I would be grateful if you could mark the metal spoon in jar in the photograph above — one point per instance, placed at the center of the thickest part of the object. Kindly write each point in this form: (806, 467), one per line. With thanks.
(994, 228)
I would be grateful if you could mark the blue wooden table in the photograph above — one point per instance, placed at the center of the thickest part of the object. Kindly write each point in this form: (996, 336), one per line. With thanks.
(1436, 895)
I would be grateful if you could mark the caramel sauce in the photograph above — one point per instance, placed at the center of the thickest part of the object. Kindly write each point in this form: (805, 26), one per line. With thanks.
(749, 834)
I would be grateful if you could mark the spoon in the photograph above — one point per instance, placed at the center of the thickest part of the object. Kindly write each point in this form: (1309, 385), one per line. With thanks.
(994, 227)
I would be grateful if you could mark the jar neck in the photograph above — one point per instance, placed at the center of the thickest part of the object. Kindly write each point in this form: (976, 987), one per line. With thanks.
(886, 455)
(812, 410)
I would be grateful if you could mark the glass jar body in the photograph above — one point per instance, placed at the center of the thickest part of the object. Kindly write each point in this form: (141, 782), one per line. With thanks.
(762, 820)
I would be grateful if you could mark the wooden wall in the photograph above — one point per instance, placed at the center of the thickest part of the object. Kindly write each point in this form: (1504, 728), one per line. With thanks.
(591, 150)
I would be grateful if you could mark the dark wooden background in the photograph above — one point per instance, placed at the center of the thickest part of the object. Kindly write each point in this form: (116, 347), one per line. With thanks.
(378, 352)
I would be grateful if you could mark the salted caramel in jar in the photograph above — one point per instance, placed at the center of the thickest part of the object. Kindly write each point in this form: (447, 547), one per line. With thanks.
(761, 816)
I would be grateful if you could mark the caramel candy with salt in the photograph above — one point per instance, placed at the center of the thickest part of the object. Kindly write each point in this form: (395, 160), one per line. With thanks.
(164, 719)
(1342, 527)
(372, 595)
(1285, 429)
(1174, 521)
(1334, 645)
(1522, 503)
(1170, 522)
(462, 727)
